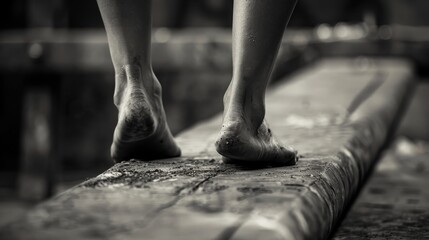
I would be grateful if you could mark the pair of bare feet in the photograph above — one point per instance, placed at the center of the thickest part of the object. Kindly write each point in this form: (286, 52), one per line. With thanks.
(142, 131)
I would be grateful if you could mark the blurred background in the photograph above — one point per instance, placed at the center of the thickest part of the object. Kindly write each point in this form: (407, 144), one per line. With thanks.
(57, 79)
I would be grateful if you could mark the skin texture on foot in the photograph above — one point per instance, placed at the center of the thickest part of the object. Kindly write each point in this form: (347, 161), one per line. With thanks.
(243, 144)
(142, 131)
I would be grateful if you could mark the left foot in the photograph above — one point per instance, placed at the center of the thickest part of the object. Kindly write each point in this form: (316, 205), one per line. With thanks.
(142, 131)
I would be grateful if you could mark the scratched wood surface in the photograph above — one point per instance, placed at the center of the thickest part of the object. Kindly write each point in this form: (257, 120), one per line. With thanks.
(336, 113)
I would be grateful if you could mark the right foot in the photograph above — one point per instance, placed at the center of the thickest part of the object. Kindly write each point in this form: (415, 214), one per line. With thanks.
(245, 136)
(142, 131)
(237, 143)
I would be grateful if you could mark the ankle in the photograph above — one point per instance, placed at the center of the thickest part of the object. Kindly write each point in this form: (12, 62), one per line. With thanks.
(250, 114)
(245, 93)
(130, 59)
(136, 77)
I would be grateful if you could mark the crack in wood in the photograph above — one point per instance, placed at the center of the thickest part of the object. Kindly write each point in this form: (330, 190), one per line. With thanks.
(180, 194)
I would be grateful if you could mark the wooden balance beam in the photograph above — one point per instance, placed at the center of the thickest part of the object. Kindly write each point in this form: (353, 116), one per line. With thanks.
(337, 113)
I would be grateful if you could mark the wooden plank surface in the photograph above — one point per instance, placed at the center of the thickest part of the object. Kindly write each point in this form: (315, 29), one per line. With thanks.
(336, 113)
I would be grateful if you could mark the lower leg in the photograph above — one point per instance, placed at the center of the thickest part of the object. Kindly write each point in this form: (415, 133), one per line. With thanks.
(142, 131)
(258, 28)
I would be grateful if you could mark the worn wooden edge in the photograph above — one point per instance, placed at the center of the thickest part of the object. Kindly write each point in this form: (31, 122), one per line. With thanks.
(342, 177)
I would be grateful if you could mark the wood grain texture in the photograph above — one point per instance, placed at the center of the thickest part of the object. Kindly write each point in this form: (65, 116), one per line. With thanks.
(197, 196)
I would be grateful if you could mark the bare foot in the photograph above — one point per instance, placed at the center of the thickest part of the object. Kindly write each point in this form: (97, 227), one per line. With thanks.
(246, 139)
(142, 131)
